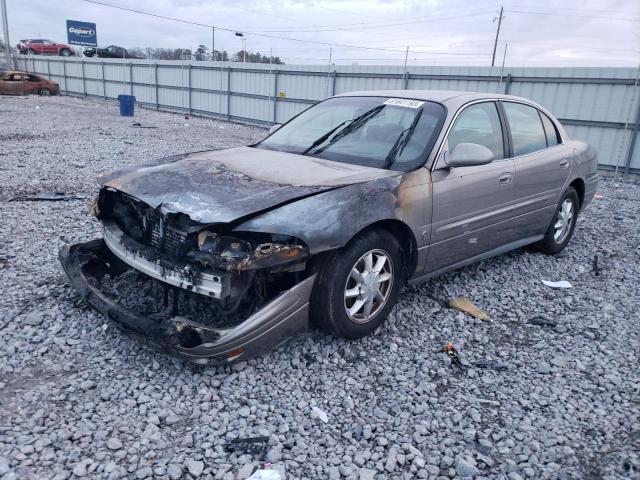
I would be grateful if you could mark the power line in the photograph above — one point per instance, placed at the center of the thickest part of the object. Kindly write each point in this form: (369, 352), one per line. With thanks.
(343, 11)
(233, 30)
(367, 27)
(531, 12)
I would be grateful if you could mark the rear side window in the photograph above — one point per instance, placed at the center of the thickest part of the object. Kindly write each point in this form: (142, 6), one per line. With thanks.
(479, 123)
(549, 130)
(527, 133)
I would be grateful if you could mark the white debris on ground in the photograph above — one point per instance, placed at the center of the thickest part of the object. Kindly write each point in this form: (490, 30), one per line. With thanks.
(79, 399)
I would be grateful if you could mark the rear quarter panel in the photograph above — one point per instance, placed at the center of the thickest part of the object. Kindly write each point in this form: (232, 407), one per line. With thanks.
(585, 167)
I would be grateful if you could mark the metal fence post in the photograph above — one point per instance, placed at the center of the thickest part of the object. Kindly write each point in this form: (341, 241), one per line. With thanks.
(84, 80)
(406, 80)
(189, 87)
(130, 78)
(632, 143)
(507, 84)
(229, 92)
(333, 83)
(275, 96)
(156, 84)
(64, 74)
(104, 81)
(48, 69)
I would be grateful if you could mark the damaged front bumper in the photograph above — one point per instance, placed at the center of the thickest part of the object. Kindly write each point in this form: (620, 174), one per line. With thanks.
(281, 318)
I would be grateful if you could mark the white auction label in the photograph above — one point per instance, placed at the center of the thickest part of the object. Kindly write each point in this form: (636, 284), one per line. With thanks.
(404, 102)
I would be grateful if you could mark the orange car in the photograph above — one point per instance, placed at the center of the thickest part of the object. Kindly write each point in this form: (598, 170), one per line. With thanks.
(22, 83)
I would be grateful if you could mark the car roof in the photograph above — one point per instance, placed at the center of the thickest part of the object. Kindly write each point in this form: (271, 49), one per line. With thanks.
(440, 96)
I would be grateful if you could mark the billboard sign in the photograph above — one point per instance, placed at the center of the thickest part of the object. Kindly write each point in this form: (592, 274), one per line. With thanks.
(82, 33)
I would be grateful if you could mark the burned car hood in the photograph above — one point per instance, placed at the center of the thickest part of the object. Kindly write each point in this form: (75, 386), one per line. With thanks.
(225, 185)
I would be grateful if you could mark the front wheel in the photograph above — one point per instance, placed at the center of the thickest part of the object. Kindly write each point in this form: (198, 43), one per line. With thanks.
(563, 224)
(44, 92)
(65, 52)
(358, 285)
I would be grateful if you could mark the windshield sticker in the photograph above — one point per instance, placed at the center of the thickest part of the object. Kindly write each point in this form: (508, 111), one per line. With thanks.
(404, 102)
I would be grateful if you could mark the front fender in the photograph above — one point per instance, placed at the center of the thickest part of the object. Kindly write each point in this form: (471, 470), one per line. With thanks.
(330, 219)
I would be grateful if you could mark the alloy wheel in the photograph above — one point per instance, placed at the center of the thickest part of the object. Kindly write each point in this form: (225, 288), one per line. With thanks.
(564, 221)
(369, 285)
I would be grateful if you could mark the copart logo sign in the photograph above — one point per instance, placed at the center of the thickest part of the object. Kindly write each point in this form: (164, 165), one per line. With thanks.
(81, 33)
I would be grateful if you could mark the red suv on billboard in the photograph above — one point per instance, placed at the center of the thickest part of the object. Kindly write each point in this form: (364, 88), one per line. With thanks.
(40, 46)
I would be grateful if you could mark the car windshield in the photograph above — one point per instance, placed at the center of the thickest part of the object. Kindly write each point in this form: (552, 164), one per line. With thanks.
(380, 132)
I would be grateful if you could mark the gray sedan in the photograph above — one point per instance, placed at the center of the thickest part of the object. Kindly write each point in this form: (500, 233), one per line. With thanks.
(329, 216)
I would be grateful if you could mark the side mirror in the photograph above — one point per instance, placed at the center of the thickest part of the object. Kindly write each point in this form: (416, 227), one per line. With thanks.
(274, 128)
(469, 155)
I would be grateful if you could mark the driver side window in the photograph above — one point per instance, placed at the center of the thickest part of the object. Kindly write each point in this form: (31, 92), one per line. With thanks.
(479, 123)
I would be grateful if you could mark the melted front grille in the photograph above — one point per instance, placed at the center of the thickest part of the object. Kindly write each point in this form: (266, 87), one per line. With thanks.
(165, 237)
(147, 226)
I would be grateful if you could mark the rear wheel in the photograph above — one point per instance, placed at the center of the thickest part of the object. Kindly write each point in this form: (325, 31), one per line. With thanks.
(561, 229)
(358, 285)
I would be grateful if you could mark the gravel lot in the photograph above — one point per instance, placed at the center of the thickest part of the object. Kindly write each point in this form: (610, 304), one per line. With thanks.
(79, 399)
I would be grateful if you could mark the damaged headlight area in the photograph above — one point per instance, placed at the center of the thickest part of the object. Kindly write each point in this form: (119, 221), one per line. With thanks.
(210, 246)
(203, 291)
(234, 254)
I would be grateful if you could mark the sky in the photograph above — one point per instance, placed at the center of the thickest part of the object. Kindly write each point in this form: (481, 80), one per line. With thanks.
(540, 33)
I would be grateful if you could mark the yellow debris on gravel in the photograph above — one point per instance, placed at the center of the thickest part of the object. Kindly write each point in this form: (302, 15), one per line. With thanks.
(464, 305)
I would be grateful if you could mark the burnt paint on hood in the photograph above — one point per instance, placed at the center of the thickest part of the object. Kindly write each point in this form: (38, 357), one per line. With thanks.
(224, 185)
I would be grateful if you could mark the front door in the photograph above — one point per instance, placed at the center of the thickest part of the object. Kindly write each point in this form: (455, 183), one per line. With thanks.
(472, 205)
(13, 84)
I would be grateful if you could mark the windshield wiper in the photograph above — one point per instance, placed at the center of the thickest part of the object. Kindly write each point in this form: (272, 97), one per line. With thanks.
(401, 142)
(351, 125)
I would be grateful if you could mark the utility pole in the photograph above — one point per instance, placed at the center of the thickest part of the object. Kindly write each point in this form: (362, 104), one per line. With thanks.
(495, 43)
(404, 71)
(504, 55)
(5, 28)
(244, 46)
(213, 43)
(329, 73)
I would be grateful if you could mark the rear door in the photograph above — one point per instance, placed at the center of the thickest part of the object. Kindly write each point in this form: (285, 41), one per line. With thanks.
(472, 205)
(32, 84)
(542, 162)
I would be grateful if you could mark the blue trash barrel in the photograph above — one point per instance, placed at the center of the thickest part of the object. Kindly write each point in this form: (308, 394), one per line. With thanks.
(126, 105)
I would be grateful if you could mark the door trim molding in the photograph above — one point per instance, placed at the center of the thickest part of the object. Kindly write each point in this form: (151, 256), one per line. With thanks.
(478, 258)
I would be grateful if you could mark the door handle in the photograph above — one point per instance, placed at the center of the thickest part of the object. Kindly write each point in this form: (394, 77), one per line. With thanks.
(505, 178)
(564, 163)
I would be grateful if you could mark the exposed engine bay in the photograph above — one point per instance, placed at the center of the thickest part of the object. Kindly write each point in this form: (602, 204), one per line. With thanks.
(175, 246)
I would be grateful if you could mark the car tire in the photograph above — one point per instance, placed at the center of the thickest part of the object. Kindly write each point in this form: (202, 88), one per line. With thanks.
(31, 51)
(377, 256)
(44, 92)
(563, 224)
(65, 52)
